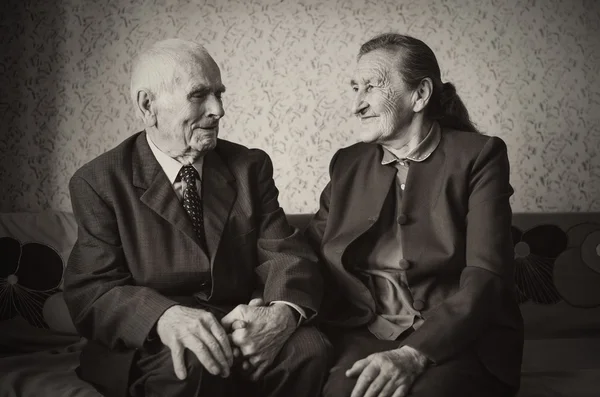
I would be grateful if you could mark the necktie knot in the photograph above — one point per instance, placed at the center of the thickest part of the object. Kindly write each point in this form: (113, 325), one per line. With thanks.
(189, 174)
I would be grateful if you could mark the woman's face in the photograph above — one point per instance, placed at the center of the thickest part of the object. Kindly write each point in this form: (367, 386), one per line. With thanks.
(382, 102)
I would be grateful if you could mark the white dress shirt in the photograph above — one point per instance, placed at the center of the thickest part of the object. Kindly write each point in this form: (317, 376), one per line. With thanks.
(171, 167)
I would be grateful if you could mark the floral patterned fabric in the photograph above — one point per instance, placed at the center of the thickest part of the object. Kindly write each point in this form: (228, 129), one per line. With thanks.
(535, 252)
(34, 248)
(577, 270)
(29, 274)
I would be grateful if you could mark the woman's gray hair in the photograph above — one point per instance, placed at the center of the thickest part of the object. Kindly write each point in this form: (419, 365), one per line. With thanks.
(417, 62)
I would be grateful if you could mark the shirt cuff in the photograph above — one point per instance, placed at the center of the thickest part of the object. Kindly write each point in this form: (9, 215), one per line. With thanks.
(295, 307)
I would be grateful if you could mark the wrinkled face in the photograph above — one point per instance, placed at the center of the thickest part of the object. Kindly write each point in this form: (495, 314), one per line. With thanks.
(187, 116)
(382, 100)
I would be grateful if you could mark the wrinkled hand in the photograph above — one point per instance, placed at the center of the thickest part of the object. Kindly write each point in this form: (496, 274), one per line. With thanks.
(259, 332)
(389, 373)
(198, 330)
(238, 324)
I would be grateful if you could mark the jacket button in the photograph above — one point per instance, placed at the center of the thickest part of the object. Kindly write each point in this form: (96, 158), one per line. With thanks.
(403, 264)
(402, 219)
(418, 305)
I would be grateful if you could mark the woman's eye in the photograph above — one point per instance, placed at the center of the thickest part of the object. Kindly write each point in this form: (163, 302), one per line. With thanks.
(369, 88)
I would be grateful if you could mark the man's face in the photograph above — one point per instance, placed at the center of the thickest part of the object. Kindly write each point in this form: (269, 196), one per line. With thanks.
(187, 116)
(382, 100)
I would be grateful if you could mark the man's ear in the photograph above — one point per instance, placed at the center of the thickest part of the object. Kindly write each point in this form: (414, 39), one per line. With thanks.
(145, 105)
(422, 95)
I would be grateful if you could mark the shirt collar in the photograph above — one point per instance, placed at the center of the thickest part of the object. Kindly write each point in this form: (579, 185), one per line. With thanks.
(170, 166)
(419, 153)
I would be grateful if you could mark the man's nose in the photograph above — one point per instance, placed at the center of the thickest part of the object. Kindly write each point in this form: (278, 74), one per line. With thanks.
(214, 107)
(359, 106)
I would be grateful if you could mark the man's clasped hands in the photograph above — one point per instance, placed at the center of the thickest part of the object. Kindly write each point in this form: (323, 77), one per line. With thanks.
(249, 337)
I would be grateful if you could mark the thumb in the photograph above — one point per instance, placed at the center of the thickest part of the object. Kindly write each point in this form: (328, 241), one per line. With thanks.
(256, 302)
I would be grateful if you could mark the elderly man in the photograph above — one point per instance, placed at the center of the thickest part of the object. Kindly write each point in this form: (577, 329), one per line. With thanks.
(415, 230)
(178, 230)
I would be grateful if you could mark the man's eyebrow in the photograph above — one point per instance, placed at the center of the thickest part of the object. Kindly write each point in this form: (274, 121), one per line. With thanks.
(353, 82)
(205, 89)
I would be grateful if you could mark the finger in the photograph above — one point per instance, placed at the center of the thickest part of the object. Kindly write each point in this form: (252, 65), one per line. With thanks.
(203, 354)
(254, 361)
(235, 314)
(377, 385)
(357, 368)
(401, 391)
(368, 375)
(236, 352)
(240, 339)
(238, 324)
(256, 302)
(178, 364)
(246, 366)
(214, 349)
(258, 373)
(389, 389)
(219, 334)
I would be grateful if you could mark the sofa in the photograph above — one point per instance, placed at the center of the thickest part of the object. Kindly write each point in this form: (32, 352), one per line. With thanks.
(557, 257)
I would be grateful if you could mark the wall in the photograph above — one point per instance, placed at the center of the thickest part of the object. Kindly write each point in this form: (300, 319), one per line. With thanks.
(527, 70)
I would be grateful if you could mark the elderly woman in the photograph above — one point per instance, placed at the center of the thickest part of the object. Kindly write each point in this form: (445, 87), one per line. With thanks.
(414, 229)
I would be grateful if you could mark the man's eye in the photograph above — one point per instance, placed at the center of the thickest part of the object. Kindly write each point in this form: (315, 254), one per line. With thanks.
(368, 88)
(355, 88)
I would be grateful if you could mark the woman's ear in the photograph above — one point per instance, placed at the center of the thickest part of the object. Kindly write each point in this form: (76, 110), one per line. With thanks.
(422, 95)
(145, 105)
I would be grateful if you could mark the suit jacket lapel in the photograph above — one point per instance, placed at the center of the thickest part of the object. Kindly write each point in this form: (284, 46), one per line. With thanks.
(218, 196)
(159, 194)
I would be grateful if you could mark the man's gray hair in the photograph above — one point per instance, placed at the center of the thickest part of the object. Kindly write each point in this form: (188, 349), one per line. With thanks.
(159, 68)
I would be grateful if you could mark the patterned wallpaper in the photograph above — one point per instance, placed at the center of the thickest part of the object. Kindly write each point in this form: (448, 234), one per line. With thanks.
(527, 70)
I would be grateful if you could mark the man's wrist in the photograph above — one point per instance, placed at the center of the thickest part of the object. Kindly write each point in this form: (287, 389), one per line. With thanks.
(289, 312)
(419, 357)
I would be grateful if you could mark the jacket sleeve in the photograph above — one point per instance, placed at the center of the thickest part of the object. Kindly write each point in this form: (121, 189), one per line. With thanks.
(486, 282)
(104, 303)
(317, 225)
(287, 266)
(314, 233)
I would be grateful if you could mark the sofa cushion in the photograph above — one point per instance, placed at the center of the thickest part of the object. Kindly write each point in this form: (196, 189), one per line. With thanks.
(34, 248)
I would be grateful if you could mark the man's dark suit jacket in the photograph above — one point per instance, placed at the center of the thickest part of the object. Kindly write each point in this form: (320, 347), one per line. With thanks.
(136, 253)
(455, 233)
